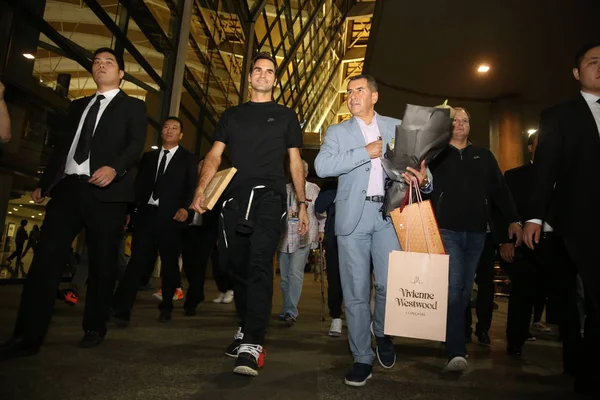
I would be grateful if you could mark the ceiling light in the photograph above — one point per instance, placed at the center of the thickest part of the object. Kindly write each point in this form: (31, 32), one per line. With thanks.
(10, 212)
(33, 216)
(31, 201)
(483, 68)
(28, 56)
(531, 131)
(154, 147)
(16, 209)
(40, 214)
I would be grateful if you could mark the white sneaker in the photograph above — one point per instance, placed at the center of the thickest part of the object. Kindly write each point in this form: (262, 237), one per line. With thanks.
(219, 298)
(540, 327)
(228, 297)
(336, 327)
(158, 295)
(457, 364)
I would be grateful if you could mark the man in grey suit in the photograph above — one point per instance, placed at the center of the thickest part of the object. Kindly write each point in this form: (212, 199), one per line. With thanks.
(352, 152)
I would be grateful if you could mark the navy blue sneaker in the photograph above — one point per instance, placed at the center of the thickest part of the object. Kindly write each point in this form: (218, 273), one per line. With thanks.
(386, 354)
(358, 375)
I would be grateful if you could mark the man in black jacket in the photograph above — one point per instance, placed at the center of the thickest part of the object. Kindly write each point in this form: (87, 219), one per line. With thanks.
(565, 175)
(164, 189)
(325, 203)
(467, 179)
(87, 179)
(20, 239)
(523, 265)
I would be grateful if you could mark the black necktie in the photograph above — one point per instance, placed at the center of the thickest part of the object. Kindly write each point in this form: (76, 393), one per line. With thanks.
(82, 152)
(159, 174)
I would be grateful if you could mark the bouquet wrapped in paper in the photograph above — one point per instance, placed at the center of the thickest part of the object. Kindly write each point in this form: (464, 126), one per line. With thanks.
(423, 134)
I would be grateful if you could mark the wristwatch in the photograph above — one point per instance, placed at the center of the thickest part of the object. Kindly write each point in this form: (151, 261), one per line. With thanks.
(303, 202)
(425, 182)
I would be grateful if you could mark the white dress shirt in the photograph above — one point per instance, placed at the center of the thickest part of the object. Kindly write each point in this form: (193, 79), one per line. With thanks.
(71, 166)
(370, 134)
(546, 226)
(170, 154)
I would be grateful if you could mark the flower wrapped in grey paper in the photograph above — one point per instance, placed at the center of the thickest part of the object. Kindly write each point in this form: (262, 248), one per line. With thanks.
(423, 134)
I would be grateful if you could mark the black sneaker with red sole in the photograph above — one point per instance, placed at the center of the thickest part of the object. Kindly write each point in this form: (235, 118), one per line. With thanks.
(251, 357)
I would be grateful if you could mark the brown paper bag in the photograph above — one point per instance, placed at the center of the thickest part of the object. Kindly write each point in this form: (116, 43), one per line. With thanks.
(414, 224)
(417, 295)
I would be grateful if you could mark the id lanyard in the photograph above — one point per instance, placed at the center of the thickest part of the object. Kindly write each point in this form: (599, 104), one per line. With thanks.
(292, 207)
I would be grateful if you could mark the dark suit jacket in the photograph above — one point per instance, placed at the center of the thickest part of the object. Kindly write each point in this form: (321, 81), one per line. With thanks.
(118, 142)
(325, 202)
(569, 144)
(177, 185)
(519, 181)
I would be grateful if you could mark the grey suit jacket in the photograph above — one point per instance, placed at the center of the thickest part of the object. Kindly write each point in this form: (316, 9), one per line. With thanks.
(343, 155)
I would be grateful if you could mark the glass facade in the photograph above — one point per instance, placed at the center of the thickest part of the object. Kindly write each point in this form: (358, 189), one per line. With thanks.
(317, 45)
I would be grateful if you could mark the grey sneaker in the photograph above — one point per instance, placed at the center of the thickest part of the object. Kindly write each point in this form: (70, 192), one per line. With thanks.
(457, 364)
(335, 330)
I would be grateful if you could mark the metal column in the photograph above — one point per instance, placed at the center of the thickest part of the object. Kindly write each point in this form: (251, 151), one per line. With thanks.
(184, 34)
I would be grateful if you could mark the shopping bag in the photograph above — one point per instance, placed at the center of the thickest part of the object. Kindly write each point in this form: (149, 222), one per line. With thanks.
(417, 286)
(417, 295)
(415, 223)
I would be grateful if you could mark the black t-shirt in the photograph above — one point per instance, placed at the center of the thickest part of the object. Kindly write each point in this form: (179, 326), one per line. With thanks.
(21, 235)
(258, 136)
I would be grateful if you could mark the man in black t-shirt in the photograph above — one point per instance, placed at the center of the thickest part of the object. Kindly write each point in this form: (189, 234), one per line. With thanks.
(259, 134)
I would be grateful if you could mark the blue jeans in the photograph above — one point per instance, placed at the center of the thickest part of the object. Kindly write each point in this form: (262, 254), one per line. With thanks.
(464, 249)
(291, 269)
(373, 239)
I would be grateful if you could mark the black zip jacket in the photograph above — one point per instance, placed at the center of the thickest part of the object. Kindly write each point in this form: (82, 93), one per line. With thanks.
(466, 184)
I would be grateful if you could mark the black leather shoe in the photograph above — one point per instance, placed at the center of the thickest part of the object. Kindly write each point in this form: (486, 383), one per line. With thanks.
(358, 375)
(164, 316)
(483, 338)
(91, 339)
(120, 321)
(11, 342)
(189, 312)
(17, 350)
(514, 351)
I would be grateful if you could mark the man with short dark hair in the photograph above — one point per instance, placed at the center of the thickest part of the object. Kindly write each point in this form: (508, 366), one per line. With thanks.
(20, 239)
(352, 151)
(528, 270)
(164, 188)
(565, 174)
(88, 181)
(259, 133)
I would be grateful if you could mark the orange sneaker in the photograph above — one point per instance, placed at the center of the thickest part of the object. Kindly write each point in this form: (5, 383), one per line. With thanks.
(178, 294)
(71, 298)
